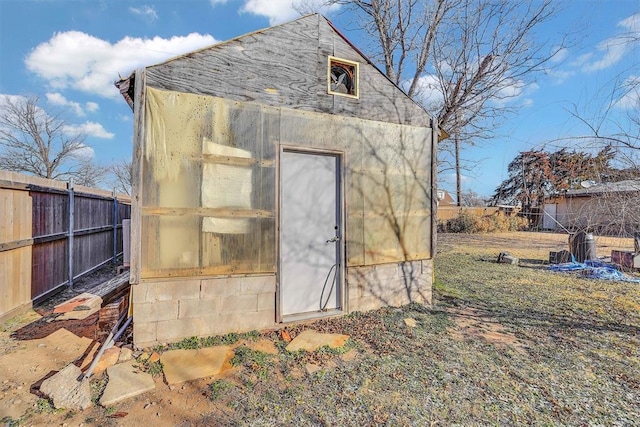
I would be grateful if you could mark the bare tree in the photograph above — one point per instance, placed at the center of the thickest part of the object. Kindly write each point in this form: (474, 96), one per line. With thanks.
(122, 176)
(475, 54)
(471, 198)
(37, 143)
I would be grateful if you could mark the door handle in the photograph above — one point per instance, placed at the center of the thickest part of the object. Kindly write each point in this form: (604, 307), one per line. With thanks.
(334, 239)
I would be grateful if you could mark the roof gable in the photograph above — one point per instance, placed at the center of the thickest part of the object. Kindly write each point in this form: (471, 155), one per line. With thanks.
(286, 65)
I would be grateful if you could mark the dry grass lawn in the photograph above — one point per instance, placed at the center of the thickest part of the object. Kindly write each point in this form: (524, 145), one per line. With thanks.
(502, 345)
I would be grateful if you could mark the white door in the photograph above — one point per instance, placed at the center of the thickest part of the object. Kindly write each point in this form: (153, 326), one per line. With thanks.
(549, 217)
(309, 233)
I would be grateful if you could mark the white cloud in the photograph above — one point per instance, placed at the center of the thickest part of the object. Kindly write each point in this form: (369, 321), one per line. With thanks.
(125, 118)
(614, 49)
(217, 2)
(560, 76)
(84, 153)
(90, 129)
(560, 55)
(279, 11)
(77, 60)
(59, 99)
(512, 90)
(428, 92)
(630, 99)
(91, 106)
(4, 98)
(147, 12)
(582, 59)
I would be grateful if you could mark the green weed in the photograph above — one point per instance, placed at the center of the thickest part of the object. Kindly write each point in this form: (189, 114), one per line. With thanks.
(217, 388)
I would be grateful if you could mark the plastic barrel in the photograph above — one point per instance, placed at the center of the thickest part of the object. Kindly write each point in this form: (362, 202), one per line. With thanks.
(582, 246)
(589, 247)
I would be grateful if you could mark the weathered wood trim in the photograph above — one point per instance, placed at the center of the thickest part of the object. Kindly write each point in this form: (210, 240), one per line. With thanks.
(200, 271)
(234, 161)
(434, 187)
(209, 212)
(87, 192)
(72, 208)
(50, 238)
(21, 186)
(16, 244)
(136, 190)
(94, 230)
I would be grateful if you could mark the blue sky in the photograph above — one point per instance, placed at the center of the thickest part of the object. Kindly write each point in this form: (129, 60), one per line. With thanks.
(69, 53)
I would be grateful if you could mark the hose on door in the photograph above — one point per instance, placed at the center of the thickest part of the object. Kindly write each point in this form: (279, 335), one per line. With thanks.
(333, 269)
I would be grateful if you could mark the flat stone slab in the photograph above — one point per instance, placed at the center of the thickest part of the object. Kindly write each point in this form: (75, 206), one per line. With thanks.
(125, 381)
(83, 302)
(66, 391)
(311, 340)
(187, 365)
(29, 362)
(264, 345)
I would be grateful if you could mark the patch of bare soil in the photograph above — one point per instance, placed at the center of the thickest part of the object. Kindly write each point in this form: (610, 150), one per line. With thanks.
(473, 324)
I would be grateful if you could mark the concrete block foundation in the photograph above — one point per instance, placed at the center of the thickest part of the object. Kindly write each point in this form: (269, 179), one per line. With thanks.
(169, 311)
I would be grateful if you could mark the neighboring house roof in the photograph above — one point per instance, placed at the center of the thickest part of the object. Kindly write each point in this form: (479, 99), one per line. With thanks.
(626, 186)
(445, 199)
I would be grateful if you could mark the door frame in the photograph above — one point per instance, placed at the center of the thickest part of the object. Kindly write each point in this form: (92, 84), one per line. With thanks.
(340, 212)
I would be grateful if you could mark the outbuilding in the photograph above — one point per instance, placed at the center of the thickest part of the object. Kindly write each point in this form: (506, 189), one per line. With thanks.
(278, 177)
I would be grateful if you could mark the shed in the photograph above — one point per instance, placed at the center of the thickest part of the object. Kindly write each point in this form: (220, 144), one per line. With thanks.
(278, 177)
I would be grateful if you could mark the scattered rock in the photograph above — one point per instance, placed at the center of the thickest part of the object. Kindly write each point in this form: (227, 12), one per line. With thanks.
(108, 358)
(125, 355)
(330, 365)
(410, 322)
(187, 365)
(263, 345)
(125, 381)
(310, 340)
(312, 368)
(285, 336)
(66, 391)
(506, 258)
(349, 356)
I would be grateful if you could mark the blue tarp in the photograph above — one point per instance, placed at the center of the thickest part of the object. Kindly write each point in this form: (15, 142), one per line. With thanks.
(595, 269)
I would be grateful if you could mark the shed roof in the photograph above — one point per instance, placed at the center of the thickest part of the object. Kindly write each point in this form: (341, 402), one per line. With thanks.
(626, 186)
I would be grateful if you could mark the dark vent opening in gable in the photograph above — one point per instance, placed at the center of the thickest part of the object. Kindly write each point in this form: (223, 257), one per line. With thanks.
(343, 77)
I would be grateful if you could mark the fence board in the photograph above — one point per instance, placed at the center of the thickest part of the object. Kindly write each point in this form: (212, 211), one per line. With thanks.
(49, 269)
(35, 235)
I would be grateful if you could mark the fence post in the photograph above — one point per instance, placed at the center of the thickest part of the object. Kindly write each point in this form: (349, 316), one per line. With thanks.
(71, 230)
(115, 227)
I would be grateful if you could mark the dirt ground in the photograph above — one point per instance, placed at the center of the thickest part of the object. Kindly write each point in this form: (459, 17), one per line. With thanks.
(26, 358)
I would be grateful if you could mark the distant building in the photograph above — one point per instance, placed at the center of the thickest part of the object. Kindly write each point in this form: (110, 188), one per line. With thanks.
(445, 199)
(608, 208)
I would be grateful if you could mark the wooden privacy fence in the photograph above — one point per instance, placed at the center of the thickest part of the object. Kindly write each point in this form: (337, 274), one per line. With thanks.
(446, 213)
(51, 233)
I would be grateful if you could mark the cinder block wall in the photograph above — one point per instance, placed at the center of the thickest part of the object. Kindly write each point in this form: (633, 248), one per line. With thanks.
(168, 311)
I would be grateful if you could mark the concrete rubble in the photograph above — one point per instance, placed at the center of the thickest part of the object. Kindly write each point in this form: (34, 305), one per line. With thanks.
(66, 391)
